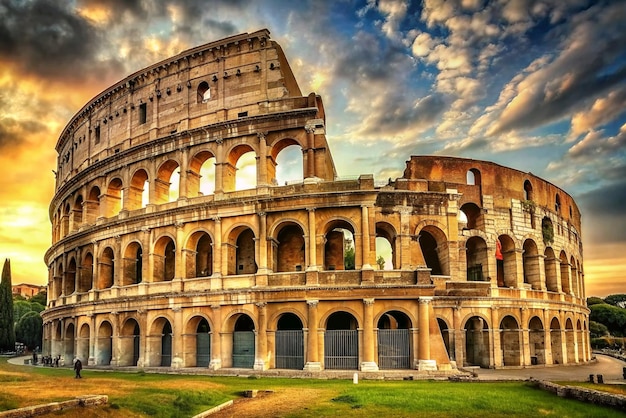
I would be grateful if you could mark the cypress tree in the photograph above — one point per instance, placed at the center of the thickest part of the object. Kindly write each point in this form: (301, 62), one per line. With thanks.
(7, 331)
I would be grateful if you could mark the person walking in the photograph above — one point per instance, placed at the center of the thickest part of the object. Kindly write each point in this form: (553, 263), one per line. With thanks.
(78, 366)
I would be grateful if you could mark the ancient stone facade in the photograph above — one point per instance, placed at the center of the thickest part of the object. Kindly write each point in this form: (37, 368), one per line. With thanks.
(161, 257)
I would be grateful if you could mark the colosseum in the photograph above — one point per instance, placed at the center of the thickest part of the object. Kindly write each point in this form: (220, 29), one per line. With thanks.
(164, 255)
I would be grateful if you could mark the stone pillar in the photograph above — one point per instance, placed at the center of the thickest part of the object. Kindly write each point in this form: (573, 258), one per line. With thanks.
(312, 264)
(404, 244)
(216, 277)
(495, 353)
(260, 361)
(309, 170)
(525, 340)
(423, 348)
(183, 179)
(263, 258)
(216, 341)
(368, 364)
(261, 173)
(179, 262)
(177, 338)
(312, 354)
(219, 168)
(365, 238)
(91, 360)
(547, 337)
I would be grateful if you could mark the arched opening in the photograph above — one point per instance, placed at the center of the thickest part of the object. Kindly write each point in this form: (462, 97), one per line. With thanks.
(138, 192)
(528, 190)
(510, 341)
(70, 278)
(385, 246)
(530, 262)
(448, 338)
(243, 343)
(473, 216)
(68, 344)
(133, 264)
(201, 175)
(536, 340)
(203, 343)
(92, 205)
(290, 249)
(574, 276)
(570, 342)
(476, 256)
(105, 276)
(288, 165)
(341, 342)
(507, 266)
(289, 342)
(565, 274)
(434, 246)
(166, 344)
(476, 342)
(340, 248)
(65, 221)
(547, 231)
(246, 177)
(164, 260)
(394, 346)
(85, 279)
(550, 266)
(556, 342)
(580, 346)
(204, 256)
(130, 338)
(82, 343)
(242, 257)
(104, 344)
(114, 198)
(204, 92)
(77, 213)
(168, 180)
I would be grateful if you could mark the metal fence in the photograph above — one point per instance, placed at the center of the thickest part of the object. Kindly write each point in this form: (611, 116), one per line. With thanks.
(289, 349)
(341, 349)
(393, 349)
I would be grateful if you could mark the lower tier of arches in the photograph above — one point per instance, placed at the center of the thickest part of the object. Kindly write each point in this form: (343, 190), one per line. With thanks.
(322, 334)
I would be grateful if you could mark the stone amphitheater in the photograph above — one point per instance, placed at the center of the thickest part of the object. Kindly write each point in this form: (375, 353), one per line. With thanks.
(162, 255)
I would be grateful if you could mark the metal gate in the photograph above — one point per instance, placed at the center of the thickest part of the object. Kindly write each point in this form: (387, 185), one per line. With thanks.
(341, 349)
(393, 349)
(166, 350)
(289, 349)
(203, 349)
(243, 349)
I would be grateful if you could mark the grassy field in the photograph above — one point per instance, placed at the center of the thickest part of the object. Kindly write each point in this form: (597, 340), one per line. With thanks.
(142, 394)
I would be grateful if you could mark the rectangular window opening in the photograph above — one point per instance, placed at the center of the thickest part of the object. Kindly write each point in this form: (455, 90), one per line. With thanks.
(143, 113)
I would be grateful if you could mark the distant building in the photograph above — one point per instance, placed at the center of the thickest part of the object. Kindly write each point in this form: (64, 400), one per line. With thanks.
(27, 290)
(149, 268)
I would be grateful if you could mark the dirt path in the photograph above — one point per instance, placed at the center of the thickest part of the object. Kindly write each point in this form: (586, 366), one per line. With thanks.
(275, 404)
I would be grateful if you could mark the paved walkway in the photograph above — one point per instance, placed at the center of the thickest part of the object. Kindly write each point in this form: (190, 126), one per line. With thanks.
(610, 368)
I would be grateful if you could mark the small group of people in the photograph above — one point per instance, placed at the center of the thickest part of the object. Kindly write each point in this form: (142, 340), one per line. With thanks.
(48, 360)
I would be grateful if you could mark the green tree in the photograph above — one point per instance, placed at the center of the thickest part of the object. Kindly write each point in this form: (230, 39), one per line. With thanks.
(593, 300)
(380, 260)
(41, 298)
(29, 330)
(613, 317)
(7, 330)
(616, 300)
(348, 259)
(597, 329)
(20, 308)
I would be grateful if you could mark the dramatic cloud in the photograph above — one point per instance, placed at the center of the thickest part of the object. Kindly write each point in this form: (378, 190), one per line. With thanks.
(535, 84)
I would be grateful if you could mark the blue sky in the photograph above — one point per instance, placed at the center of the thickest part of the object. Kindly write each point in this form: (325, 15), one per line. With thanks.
(535, 85)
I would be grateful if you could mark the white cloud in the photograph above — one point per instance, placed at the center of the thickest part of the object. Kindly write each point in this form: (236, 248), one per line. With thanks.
(603, 110)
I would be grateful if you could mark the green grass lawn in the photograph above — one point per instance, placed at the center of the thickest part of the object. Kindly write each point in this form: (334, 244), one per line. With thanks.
(161, 395)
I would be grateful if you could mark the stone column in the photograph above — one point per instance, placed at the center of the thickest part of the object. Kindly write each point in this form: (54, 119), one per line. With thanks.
(263, 262)
(312, 355)
(92, 341)
(368, 364)
(219, 168)
(216, 341)
(312, 265)
(547, 339)
(365, 237)
(423, 318)
(495, 353)
(404, 244)
(177, 338)
(261, 175)
(216, 277)
(525, 340)
(310, 152)
(260, 361)
(184, 171)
